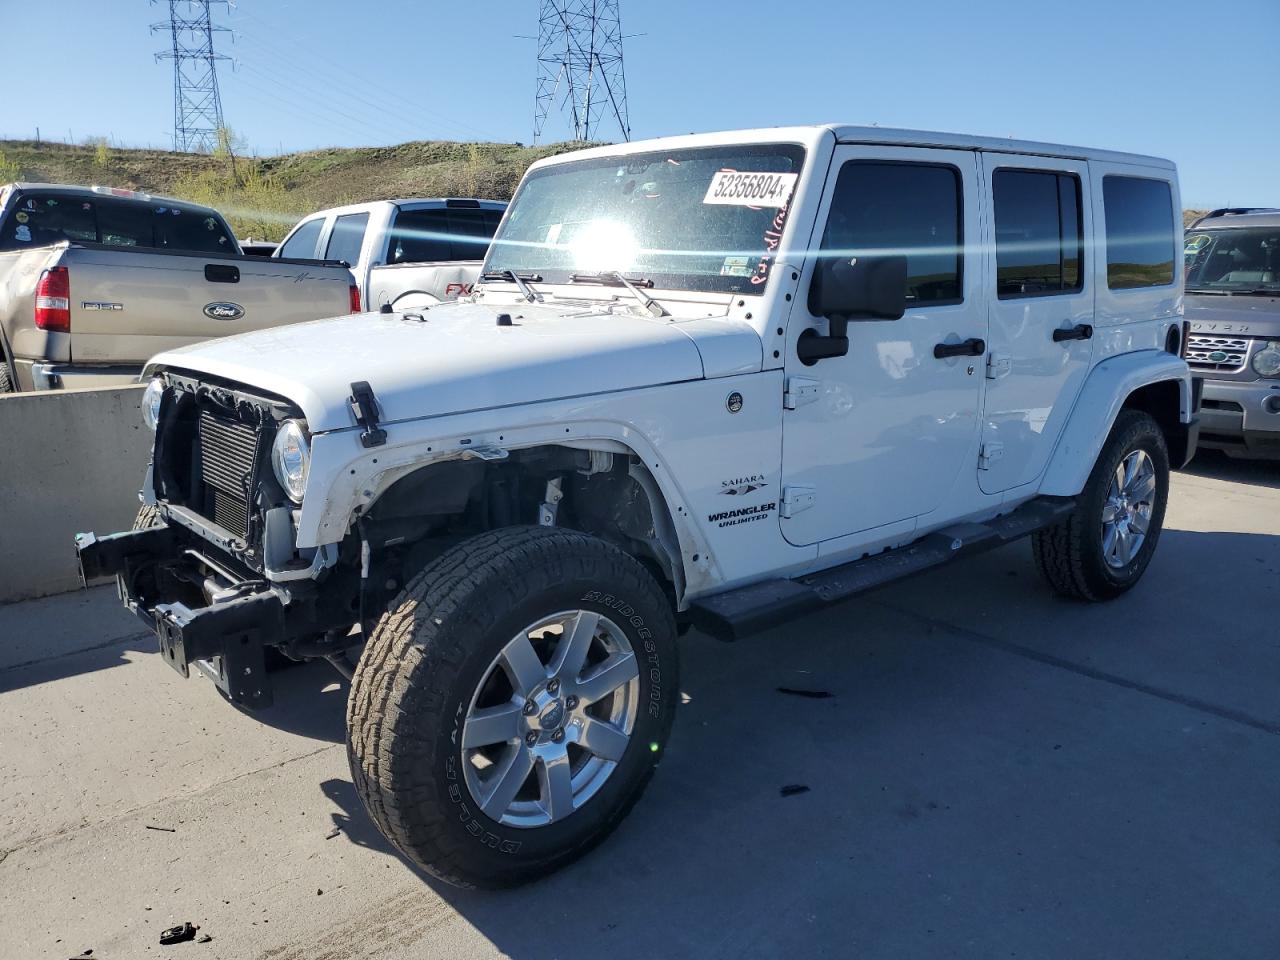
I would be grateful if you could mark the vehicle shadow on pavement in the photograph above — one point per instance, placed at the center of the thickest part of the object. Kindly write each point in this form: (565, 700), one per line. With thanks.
(947, 766)
(57, 666)
(310, 700)
(1216, 465)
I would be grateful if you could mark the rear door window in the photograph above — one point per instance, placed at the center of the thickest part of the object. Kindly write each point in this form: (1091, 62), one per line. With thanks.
(302, 245)
(1039, 235)
(1141, 244)
(346, 238)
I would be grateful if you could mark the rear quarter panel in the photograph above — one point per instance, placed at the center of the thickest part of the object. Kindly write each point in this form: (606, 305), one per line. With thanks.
(420, 284)
(19, 272)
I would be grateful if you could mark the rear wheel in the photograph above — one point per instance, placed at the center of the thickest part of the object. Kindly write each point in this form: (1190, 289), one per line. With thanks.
(512, 704)
(6, 382)
(1104, 547)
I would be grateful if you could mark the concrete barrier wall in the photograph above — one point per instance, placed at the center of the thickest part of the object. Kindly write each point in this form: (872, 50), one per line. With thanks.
(70, 461)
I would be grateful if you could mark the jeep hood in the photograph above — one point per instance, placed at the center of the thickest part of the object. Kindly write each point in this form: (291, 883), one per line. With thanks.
(455, 358)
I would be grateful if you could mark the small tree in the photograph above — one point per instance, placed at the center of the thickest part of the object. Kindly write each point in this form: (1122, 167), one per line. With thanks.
(101, 153)
(9, 170)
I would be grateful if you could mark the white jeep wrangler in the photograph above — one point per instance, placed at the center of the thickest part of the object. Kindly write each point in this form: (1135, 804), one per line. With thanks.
(715, 380)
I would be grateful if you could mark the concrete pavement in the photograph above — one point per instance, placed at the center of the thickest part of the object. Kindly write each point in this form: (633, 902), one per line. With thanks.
(997, 773)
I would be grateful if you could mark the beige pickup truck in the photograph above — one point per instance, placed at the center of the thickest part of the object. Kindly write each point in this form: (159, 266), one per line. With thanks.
(96, 280)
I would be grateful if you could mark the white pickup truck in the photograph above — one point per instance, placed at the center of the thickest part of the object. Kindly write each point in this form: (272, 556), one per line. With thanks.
(94, 280)
(715, 380)
(404, 253)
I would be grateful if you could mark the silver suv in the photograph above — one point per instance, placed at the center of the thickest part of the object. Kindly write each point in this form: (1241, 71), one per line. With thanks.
(1232, 260)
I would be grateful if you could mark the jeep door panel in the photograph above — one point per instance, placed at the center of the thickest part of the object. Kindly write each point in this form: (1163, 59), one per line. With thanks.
(891, 427)
(1039, 280)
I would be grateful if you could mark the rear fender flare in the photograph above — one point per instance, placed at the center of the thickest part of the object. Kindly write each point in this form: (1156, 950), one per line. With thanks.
(1105, 393)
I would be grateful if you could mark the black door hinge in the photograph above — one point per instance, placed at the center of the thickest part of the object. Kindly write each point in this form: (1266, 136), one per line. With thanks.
(364, 405)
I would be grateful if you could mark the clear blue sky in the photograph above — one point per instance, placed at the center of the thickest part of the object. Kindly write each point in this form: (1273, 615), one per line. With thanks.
(1192, 81)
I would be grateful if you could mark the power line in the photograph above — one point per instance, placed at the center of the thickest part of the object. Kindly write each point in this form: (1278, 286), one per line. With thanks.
(408, 111)
(197, 105)
(580, 50)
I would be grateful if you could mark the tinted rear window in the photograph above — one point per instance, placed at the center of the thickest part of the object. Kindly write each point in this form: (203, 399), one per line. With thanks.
(185, 230)
(39, 219)
(1141, 245)
(50, 218)
(442, 234)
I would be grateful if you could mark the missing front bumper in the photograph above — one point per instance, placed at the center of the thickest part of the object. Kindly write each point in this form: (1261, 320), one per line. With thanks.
(225, 640)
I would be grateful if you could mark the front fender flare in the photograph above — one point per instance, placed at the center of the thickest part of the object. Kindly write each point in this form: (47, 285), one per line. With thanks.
(1103, 396)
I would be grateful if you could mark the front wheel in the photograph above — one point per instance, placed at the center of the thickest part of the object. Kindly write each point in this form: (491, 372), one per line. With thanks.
(512, 704)
(1104, 547)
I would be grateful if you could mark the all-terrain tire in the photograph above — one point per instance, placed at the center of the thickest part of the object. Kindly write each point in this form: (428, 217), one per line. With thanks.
(1069, 555)
(148, 516)
(6, 382)
(429, 654)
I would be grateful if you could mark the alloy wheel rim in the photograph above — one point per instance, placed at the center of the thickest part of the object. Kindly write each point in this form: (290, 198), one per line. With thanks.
(1126, 512)
(551, 719)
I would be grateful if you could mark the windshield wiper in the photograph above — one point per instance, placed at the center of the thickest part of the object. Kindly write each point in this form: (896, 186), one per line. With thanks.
(614, 278)
(521, 280)
(1238, 291)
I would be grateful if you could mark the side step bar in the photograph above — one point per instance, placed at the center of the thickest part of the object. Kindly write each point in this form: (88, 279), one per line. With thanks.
(746, 610)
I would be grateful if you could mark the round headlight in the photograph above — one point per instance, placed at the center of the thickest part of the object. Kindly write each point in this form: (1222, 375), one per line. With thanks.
(151, 402)
(1266, 362)
(291, 458)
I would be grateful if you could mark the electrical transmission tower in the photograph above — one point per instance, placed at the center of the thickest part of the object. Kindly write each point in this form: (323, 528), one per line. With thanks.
(580, 49)
(197, 106)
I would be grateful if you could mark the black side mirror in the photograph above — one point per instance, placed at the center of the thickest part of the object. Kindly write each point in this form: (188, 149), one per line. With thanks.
(854, 289)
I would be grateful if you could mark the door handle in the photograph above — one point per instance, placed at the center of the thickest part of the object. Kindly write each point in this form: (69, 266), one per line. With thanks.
(973, 347)
(221, 273)
(1081, 331)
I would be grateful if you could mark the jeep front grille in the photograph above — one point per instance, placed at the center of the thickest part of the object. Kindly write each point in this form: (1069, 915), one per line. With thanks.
(1222, 354)
(227, 454)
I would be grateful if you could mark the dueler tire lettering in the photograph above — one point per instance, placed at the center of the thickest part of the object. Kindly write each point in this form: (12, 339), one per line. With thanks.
(429, 652)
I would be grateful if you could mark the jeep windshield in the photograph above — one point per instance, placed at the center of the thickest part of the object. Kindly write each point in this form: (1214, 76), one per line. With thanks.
(706, 219)
(1234, 260)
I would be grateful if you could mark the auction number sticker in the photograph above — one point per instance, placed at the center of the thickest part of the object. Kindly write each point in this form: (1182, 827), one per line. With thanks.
(750, 189)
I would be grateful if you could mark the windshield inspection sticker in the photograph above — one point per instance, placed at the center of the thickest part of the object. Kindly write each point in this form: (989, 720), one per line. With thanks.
(736, 267)
(750, 189)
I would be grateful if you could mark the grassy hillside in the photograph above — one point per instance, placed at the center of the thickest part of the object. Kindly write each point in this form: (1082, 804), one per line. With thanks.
(263, 197)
